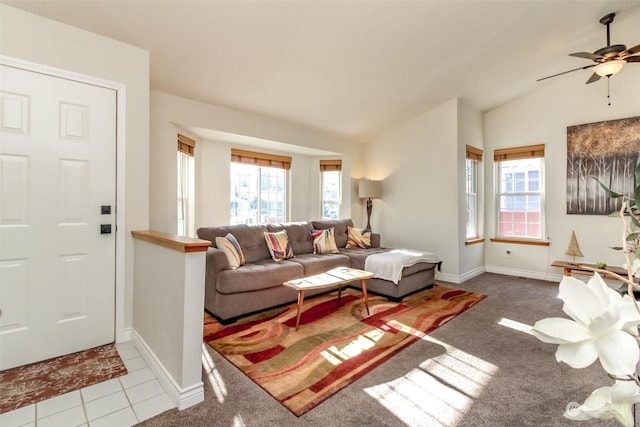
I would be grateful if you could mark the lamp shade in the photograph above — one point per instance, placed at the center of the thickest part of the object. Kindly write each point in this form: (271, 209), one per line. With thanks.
(609, 68)
(368, 188)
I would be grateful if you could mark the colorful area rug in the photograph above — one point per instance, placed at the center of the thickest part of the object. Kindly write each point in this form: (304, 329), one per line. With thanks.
(333, 346)
(38, 381)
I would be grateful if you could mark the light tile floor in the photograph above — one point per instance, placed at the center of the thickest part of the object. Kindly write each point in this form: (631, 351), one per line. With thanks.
(121, 402)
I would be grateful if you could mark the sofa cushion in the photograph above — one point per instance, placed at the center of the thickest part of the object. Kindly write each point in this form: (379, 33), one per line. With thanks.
(279, 246)
(340, 226)
(358, 238)
(298, 233)
(259, 275)
(231, 249)
(316, 264)
(250, 237)
(359, 255)
(324, 241)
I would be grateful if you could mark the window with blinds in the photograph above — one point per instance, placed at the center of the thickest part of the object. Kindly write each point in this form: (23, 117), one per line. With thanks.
(520, 192)
(331, 188)
(472, 174)
(186, 186)
(258, 190)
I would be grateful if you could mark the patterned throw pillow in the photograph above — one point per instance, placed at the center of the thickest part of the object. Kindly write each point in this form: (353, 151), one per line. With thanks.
(358, 238)
(279, 246)
(229, 244)
(324, 241)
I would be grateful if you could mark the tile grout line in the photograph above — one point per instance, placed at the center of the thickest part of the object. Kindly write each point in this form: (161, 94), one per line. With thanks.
(124, 390)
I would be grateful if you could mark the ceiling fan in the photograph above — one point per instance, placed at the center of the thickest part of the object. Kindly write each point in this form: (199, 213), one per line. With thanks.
(608, 60)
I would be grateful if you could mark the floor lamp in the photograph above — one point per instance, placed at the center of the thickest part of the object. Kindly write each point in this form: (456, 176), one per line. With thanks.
(368, 189)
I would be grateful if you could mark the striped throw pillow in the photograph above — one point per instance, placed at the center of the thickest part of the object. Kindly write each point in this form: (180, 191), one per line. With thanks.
(231, 248)
(279, 246)
(358, 238)
(324, 241)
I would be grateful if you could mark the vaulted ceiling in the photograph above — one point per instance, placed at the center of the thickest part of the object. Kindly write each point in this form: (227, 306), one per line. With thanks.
(353, 68)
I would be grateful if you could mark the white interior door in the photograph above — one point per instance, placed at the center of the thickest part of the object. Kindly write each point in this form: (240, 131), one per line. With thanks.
(57, 172)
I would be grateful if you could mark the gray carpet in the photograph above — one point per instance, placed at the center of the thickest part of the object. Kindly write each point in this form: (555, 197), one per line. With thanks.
(472, 371)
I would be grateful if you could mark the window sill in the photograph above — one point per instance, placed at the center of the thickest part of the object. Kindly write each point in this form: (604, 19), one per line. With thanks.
(520, 241)
(474, 241)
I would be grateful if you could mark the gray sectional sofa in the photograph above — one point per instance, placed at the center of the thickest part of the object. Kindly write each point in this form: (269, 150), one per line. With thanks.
(257, 284)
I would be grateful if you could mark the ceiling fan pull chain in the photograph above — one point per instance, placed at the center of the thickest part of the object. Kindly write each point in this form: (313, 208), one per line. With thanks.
(609, 90)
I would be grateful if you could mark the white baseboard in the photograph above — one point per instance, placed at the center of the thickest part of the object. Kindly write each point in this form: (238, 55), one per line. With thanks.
(524, 273)
(123, 336)
(462, 278)
(471, 274)
(182, 398)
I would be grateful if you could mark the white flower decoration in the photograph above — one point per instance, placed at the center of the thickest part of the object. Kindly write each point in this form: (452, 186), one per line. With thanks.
(603, 327)
(608, 402)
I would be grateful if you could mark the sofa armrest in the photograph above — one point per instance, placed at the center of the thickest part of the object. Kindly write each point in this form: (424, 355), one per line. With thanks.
(375, 240)
(216, 261)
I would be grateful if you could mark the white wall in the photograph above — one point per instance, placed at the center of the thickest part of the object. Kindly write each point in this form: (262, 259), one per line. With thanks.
(417, 162)
(470, 132)
(171, 114)
(543, 117)
(42, 41)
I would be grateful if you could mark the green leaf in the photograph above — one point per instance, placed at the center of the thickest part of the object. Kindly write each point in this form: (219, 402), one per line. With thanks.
(632, 236)
(635, 220)
(616, 248)
(605, 187)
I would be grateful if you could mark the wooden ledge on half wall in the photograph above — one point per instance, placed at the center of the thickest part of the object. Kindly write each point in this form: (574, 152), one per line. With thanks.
(172, 241)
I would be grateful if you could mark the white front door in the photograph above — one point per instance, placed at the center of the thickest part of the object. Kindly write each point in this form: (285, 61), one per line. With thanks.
(57, 185)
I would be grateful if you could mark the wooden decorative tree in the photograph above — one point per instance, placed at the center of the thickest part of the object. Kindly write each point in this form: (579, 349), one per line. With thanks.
(574, 249)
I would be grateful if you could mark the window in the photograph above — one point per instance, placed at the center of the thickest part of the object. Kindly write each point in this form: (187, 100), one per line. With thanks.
(473, 161)
(520, 193)
(186, 186)
(330, 173)
(258, 187)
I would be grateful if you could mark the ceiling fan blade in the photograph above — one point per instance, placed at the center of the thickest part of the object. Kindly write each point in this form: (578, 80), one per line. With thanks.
(587, 55)
(630, 51)
(565, 72)
(632, 58)
(594, 78)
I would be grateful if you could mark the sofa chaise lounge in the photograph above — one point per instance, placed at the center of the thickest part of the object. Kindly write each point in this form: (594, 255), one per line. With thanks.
(257, 284)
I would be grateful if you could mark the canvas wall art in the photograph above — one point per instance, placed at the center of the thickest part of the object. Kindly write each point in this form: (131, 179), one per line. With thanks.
(608, 150)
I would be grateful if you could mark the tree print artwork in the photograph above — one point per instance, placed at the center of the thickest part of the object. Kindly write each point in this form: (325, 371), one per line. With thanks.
(608, 151)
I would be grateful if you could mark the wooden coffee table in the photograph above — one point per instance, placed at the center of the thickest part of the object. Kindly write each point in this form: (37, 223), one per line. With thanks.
(336, 277)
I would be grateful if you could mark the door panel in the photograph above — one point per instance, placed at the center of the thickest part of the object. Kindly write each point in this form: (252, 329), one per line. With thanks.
(57, 166)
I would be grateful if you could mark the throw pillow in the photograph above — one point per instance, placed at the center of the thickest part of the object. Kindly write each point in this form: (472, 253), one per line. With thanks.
(279, 245)
(358, 238)
(231, 248)
(324, 241)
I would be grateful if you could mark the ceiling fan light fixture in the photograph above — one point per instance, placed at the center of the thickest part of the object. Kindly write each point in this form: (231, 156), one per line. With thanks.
(609, 68)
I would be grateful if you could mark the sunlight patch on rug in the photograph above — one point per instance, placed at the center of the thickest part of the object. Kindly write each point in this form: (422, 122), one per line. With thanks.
(439, 392)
